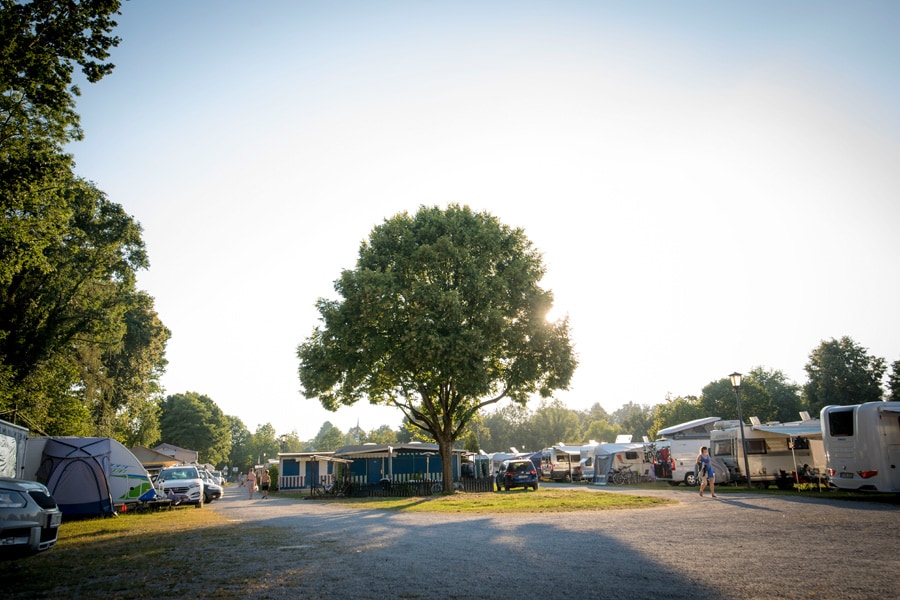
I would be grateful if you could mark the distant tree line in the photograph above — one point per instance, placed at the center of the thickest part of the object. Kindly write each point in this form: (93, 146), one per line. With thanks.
(839, 372)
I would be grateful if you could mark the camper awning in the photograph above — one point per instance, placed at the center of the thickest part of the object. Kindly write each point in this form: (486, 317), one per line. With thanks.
(806, 429)
(890, 408)
(610, 449)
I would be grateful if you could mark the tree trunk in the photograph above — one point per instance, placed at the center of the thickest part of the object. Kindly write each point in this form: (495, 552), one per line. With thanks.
(445, 448)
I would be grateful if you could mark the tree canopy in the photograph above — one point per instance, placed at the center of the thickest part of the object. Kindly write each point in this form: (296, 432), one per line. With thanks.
(194, 421)
(842, 372)
(442, 316)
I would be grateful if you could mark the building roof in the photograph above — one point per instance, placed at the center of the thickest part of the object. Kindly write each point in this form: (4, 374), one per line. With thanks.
(375, 450)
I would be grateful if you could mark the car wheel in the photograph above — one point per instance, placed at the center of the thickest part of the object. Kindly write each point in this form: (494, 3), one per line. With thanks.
(535, 486)
(690, 480)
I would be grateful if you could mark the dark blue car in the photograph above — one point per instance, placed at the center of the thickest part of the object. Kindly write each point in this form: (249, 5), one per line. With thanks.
(517, 472)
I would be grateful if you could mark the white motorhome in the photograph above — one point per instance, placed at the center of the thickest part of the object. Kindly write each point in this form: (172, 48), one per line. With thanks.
(561, 463)
(862, 446)
(677, 448)
(775, 451)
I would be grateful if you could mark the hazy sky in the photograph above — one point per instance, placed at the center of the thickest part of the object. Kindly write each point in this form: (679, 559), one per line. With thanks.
(714, 186)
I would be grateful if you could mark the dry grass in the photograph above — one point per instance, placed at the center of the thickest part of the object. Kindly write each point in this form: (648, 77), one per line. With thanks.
(185, 553)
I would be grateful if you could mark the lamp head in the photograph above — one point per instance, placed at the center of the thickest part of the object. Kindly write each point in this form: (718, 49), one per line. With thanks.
(735, 380)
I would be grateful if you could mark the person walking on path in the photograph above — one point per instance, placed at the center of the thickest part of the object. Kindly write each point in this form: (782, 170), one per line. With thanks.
(251, 482)
(706, 472)
(264, 481)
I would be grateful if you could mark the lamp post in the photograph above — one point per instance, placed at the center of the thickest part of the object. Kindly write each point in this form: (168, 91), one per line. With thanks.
(736, 384)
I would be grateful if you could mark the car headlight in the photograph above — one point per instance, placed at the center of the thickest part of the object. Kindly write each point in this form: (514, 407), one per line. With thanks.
(12, 499)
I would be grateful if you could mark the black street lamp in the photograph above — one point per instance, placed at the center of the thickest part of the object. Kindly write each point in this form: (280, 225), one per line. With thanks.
(736, 384)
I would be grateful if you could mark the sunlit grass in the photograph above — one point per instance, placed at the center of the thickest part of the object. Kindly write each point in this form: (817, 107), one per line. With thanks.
(544, 500)
(139, 556)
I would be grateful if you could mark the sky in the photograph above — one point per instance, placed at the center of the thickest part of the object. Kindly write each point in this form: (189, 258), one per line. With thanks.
(713, 186)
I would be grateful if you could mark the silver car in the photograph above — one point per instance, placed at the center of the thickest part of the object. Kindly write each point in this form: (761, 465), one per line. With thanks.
(29, 518)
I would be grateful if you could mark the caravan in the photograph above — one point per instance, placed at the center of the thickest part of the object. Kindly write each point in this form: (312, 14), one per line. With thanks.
(86, 475)
(612, 458)
(775, 451)
(677, 448)
(12, 449)
(862, 446)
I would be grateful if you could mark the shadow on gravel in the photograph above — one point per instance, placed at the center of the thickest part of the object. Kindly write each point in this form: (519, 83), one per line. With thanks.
(382, 554)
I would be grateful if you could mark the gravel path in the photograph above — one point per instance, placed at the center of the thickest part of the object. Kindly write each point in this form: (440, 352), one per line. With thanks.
(741, 545)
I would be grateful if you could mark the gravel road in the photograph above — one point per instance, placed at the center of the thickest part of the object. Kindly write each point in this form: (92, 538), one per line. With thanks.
(740, 545)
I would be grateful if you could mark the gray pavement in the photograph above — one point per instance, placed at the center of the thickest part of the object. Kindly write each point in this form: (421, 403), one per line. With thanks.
(740, 545)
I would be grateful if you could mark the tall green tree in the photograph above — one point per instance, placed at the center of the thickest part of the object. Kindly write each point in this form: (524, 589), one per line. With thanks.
(193, 421)
(442, 316)
(41, 42)
(635, 420)
(80, 349)
(842, 372)
(601, 430)
(894, 382)
(329, 438)
(74, 323)
(556, 424)
(675, 411)
(507, 427)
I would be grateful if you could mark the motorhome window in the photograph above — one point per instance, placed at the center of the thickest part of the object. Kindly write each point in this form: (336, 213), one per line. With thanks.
(840, 422)
(723, 448)
(631, 455)
(801, 443)
(756, 446)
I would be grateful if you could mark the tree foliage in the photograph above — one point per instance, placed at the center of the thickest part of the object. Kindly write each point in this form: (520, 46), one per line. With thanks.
(41, 42)
(842, 372)
(894, 382)
(674, 411)
(81, 350)
(441, 317)
(195, 422)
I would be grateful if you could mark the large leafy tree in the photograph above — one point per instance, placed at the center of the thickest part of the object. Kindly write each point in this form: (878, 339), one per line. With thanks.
(635, 420)
(894, 382)
(41, 42)
(842, 372)
(442, 316)
(766, 394)
(675, 411)
(80, 349)
(195, 422)
(556, 424)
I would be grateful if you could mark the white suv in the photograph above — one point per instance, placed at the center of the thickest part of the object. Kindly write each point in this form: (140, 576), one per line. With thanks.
(183, 484)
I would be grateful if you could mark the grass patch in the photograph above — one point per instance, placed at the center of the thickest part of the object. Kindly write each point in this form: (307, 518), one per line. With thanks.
(545, 500)
(184, 552)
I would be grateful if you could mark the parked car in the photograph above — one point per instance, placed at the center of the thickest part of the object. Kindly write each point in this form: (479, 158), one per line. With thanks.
(183, 484)
(518, 472)
(29, 518)
(211, 489)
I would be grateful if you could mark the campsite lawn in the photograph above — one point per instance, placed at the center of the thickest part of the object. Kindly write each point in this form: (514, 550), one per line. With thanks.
(521, 501)
(188, 552)
(158, 554)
